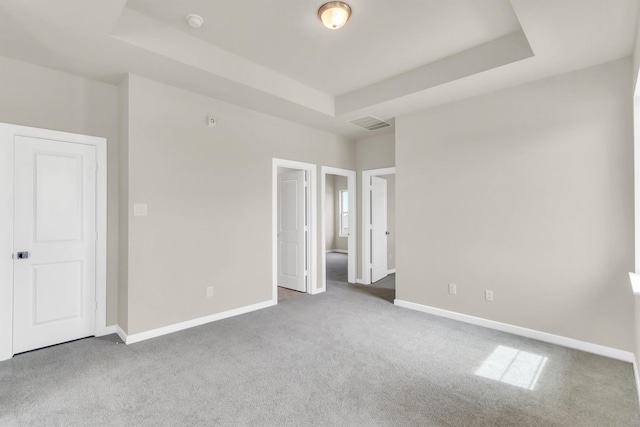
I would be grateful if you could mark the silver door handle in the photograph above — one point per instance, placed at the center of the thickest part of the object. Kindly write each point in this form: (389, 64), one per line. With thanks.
(23, 255)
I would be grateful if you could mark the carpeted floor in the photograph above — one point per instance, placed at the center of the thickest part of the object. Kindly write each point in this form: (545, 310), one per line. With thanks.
(346, 357)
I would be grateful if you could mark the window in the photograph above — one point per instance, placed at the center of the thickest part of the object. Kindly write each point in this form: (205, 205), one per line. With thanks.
(343, 231)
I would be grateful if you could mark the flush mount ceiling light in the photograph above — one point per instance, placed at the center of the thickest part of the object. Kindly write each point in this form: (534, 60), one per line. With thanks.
(334, 14)
(194, 21)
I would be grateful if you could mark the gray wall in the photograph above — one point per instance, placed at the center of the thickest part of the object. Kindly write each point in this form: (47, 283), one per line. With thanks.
(208, 192)
(375, 152)
(528, 192)
(44, 98)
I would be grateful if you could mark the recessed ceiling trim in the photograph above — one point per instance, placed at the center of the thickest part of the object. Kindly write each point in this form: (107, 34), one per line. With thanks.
(502, 51)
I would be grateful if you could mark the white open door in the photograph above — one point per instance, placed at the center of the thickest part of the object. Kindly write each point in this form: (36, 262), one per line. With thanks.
(378, 228)
(54, 242)
(292, 231)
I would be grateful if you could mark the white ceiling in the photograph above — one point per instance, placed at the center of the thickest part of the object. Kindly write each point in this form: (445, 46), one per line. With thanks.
(381, 40)
(392, 57)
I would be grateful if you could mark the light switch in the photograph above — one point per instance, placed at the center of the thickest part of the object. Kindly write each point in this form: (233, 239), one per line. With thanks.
(140, 210)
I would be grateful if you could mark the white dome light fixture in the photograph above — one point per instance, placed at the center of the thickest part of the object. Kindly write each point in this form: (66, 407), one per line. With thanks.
(194, 21)
(334, 14)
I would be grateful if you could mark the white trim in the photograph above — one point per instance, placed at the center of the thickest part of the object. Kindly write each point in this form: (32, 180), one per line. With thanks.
(108, 330)
(613, 353)
(361, 282)
(636, 172)
(635, 283)
(312, 245)
(7, 134)
(392, 271)
(353, 223)
(142, 336)
(337, 251)
(122, 334)
(366, 219)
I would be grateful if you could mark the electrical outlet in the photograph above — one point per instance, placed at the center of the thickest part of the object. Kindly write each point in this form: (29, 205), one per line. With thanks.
(453, 288)
(209, 291)
(488, 295)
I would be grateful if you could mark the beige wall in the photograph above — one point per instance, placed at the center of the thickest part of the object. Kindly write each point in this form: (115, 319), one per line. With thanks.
(44, 98)
(340, 184)
(528, 192)
(123, 209)
(208, 192)
(330, 212)
(375, 152)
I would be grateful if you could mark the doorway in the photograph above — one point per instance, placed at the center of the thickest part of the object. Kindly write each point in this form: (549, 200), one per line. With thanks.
(339, 225)
(378, 217)
(53, 233)
(294, 224)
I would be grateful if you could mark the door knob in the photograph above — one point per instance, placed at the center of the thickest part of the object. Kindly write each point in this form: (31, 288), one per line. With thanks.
(23, 255)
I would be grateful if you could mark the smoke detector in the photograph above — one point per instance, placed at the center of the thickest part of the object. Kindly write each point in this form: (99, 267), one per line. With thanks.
(194, 21)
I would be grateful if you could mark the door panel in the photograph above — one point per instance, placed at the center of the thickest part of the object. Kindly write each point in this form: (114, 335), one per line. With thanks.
(55, 221)
(57, 291)
(291, 230)
(378, 228)
(58, 189)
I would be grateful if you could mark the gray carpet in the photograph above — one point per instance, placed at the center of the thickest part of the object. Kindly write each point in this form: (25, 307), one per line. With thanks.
(345, 357)
(337, 273)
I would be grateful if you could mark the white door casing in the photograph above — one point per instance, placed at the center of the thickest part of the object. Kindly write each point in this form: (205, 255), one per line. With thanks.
(292, 229)
(378, 228)
(366, 220)
(52, 166)
(55, 224)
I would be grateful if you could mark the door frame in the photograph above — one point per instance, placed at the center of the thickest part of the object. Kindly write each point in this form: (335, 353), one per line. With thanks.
(312, 258)
(366, 220)
(353, 223)
(7, 134)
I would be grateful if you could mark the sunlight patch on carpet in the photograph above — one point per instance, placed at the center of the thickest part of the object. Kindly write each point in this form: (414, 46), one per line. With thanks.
(513, 366)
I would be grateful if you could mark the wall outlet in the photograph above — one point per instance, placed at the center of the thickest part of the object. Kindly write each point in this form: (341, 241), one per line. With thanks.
(140, 209)
(488, 295)
(209, 291)
(453, 288)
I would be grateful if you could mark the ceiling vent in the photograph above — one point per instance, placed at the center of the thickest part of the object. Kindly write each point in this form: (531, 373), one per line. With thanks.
(370, 123)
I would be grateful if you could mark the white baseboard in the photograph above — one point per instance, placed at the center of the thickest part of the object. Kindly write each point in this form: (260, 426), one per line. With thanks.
(362, 282)
(338, 251)
(598, 349)
(392, 271)
(141, 336)
(122, 334)
(107, 331)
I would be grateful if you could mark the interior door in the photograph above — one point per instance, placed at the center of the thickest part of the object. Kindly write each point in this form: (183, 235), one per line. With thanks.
(378, 228)
(292, 231)
(54, 242)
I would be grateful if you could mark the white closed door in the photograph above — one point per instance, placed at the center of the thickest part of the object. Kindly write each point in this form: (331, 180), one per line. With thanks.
(378, 228)
(292, 231)
(54, 242)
